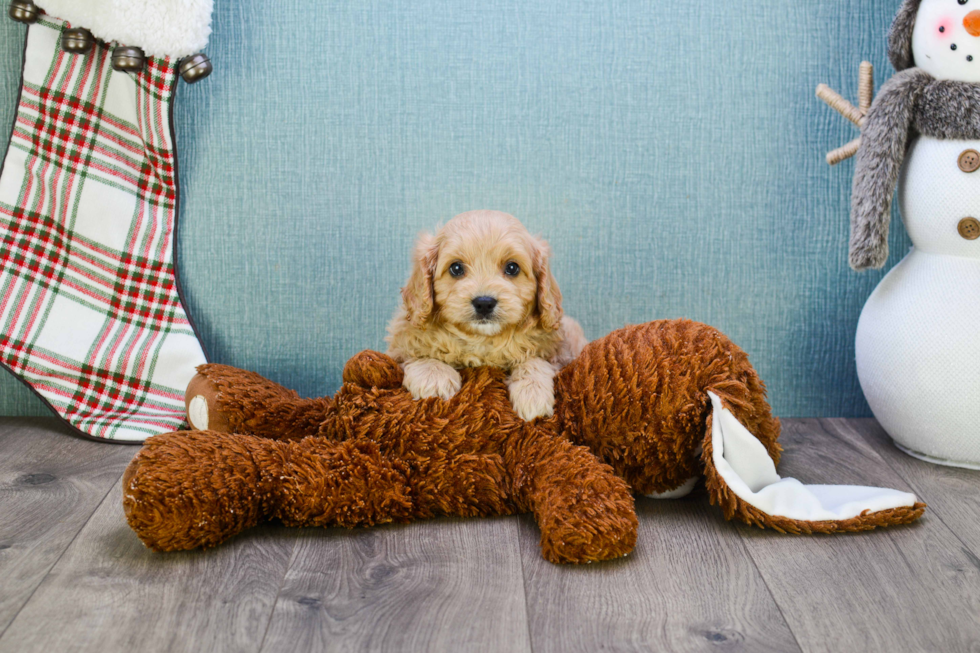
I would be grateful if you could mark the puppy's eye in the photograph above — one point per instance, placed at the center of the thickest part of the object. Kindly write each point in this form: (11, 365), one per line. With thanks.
(457, 269)
(512, 269)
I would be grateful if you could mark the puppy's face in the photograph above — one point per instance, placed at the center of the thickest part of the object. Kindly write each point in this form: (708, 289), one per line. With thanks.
(484, 278)
(487, 273)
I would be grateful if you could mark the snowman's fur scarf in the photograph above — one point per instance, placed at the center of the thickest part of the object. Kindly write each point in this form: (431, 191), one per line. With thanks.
(162, 28)
(910, 103)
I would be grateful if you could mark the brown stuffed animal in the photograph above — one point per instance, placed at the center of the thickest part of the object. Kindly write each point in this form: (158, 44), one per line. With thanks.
(638, 400)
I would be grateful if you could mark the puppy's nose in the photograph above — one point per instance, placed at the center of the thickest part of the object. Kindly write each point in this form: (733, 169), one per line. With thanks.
(484, 306)
(972, 22)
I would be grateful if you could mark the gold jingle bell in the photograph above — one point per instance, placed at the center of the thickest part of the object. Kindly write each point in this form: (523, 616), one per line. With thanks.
(195, 68)
(77, 41)
(23, 11)
(128, 59)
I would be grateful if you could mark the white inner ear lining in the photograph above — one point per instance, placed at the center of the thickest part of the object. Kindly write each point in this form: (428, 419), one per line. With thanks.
(744, 464)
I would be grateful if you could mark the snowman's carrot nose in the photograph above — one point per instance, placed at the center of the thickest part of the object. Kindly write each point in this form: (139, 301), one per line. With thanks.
(972, 23)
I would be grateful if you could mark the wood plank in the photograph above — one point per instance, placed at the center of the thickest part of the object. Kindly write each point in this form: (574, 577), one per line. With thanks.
(688, 586)
(953, 494)
(51, 482)
(109, 593)
(911, 588)
(444, 585)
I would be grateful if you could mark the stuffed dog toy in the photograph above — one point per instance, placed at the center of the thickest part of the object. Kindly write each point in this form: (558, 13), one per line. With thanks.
(646, 409)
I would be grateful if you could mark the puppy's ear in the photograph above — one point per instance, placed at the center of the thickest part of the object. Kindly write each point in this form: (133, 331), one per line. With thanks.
(418, 295)
(549, 296)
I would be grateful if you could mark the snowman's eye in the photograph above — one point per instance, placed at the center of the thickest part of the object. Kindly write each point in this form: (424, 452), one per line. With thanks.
(963, 2)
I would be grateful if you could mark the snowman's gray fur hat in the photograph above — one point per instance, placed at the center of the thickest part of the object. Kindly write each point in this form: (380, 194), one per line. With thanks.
(900, 36)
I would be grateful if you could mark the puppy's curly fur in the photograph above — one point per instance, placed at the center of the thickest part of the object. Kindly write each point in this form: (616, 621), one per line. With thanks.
(483, 255)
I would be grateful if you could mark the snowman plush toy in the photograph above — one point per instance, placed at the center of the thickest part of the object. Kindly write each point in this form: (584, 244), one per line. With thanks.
(918, 339)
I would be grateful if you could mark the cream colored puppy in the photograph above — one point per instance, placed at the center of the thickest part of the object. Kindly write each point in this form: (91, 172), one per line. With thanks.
(481, 293)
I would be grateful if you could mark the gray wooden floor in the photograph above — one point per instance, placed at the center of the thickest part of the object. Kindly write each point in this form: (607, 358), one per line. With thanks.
(73, 577)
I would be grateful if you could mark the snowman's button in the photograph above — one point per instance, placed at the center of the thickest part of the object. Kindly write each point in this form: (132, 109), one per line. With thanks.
(969, 228)
(969, 161)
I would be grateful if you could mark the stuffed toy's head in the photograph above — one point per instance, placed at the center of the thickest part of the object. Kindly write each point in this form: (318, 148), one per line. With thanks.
(942, 37)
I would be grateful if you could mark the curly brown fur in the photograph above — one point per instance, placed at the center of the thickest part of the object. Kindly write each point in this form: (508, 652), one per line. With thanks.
(636, 400)
(584, 510)
(381, 456)
(200, 488)
(637, 396)
(255, 405)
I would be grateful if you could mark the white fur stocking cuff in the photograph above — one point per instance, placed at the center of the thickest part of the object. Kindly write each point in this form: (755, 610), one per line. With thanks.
(163, 28)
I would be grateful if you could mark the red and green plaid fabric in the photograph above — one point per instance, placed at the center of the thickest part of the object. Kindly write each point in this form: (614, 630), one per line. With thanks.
(90, 315)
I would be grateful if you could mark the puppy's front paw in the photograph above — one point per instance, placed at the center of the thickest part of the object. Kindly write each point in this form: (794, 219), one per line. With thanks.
(426, 378)
(532, 389)
(533, 402)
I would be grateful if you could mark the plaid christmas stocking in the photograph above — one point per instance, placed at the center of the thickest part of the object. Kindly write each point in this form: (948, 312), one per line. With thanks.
(90, 312)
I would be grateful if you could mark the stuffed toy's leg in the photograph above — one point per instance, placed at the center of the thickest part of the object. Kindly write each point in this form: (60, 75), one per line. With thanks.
(585, 512)
(91, 317)
(742, 479)
(197, 489)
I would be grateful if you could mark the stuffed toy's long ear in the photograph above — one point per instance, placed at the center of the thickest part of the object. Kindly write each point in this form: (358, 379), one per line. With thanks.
(900, 36)
(162, 28)
(549, 295)
(742, 479)
(418, 295)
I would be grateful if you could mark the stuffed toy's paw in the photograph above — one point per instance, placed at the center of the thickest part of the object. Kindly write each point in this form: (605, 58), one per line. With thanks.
(203, 412)
(371, 369)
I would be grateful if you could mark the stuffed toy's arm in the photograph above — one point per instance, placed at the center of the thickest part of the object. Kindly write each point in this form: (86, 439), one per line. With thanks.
(229, 400)
(884, 139)
(162, 28)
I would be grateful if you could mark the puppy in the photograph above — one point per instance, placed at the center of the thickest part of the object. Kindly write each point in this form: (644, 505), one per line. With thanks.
(481, 293)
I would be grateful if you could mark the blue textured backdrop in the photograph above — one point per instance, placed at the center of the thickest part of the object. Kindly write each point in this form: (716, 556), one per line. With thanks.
(672, 153)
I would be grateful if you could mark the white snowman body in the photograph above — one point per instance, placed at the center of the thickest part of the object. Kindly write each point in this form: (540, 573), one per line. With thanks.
(918, 338)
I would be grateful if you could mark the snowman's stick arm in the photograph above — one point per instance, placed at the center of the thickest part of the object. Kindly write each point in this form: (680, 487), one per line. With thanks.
(840, 105)
(856, 114)
(844, 153)
(866, 87)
